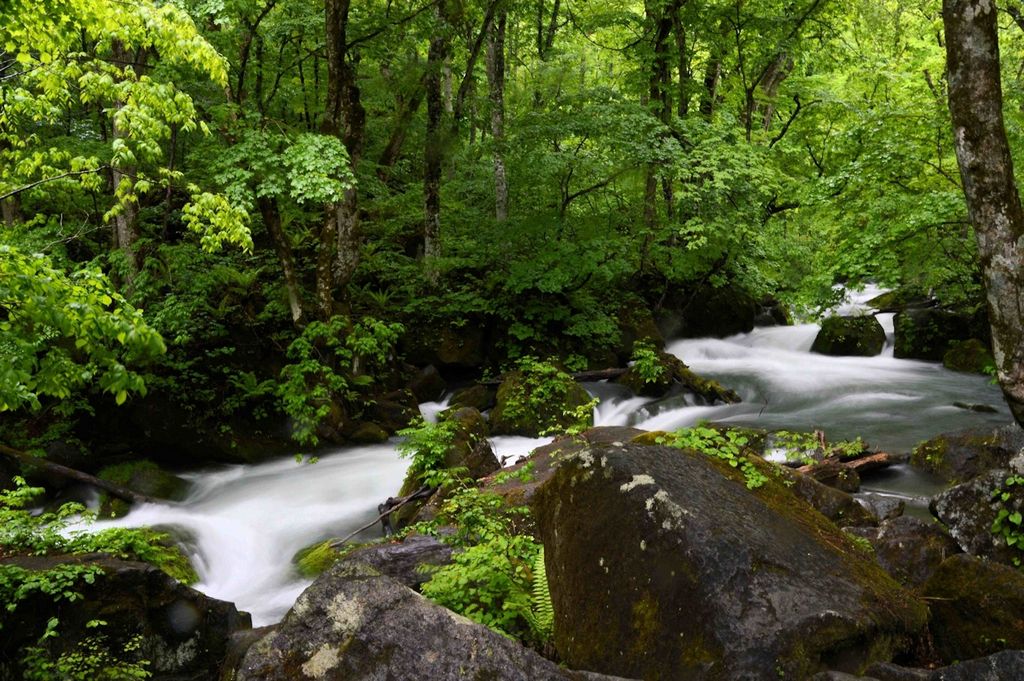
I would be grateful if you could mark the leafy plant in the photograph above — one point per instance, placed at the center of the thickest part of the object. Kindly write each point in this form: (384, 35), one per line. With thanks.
(728, 447)
(646, 363)
(1009, 522)
(427, 445)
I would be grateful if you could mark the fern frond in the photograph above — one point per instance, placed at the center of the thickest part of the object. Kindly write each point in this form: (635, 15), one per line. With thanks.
(542, 615)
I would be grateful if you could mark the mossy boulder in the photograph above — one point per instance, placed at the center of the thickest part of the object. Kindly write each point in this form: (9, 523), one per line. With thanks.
(533, 402)
(772, 312)
(655, 374)
(427, 384)
(367, 433)
(971, 356)
(477, 396)
(394, 411)
(965, 454)
(910, 549)
(636, 325)
(929, 333)
(144, 477)
(860, 336)
(662, 564)
(969, 510)
(838, 506)
(354, 624)
(977, 608)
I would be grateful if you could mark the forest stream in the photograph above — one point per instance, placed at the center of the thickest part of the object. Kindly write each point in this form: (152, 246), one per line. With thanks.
(244, 524)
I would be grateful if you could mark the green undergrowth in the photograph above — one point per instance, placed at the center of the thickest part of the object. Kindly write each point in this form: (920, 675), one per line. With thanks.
(729, 446)
(1009, 522)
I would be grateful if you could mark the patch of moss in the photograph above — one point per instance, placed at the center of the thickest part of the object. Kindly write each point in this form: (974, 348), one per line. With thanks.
(313, 560)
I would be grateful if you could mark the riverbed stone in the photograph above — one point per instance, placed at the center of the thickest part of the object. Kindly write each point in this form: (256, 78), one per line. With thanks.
(977, 608)
(929, 333)
(861, 336)
(354, 624)
(144, 477)
(662, 564)
(969, 510)
(910, 549)
(182, 632)
(477, 396)
(962, 455)
(970, 356)
(707, 311)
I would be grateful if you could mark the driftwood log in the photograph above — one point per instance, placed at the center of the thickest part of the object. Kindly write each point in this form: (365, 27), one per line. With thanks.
(385, 510)
(868, 461)
(77, 475)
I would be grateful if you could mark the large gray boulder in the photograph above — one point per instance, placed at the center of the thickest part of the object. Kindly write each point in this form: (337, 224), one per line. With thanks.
(960, 456)
(910, 549)
(182, 633)
(353, 624)
(662, 564)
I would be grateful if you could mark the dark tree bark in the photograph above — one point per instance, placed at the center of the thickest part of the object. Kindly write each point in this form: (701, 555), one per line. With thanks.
(340, 238)
(986, 167)
(434, 146)
(126, 222)
(271, 214)
(496, 82)
(685, 74)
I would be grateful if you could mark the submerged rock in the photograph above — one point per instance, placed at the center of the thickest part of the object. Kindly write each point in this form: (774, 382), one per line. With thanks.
(860, 336)
(662, 564)
(143, 477)
(183, 633)
(353, 624)
(977, 608)
(971, 356)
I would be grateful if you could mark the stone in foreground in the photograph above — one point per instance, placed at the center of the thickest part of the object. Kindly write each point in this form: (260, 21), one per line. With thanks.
(353, 624)
(663, 565)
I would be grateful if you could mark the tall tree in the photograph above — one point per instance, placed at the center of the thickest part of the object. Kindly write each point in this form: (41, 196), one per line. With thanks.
(986, 167)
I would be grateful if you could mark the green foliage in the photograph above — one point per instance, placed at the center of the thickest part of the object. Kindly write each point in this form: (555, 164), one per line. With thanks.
(542, 614)
(491, 578)
(646, 363)
(427, 445)
(90, 660)
(22, 531)
(62, 332)
(313, 560)
(535, 393)
(727, 446)
(325, 369)
(1009, 523)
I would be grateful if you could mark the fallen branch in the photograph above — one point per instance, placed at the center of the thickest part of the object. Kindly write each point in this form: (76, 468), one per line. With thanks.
(389, 507)
(73, 474)
(869, 461)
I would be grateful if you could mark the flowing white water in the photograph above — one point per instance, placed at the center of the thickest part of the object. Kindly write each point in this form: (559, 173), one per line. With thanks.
(245, 523)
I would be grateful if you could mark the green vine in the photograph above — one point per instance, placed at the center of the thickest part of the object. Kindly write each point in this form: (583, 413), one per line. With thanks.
(1009, 522)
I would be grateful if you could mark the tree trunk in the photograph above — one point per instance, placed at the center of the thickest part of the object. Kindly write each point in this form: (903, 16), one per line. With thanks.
(126, 222)
(496, 81)
(986, 167)
(272, 221)
(434, 147)
(340, 238)
(683, 63)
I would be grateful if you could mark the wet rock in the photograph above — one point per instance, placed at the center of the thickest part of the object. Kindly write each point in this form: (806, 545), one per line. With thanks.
(961, 456)
(977, 608)
(663, 564)
(887, 671)
(354, 624)
(402, 560)
(860, 336)
(772, 312)
(477, 396)
(882, 506)
(427, 385)
(910, 549)
(144, 477)
(529, 405)
(929, 333)
(841, 508)
(1003, 666)
(968, 510)
(183, 633)
(394, 411)
(368, 433)
(834, 474)
(970, 356)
